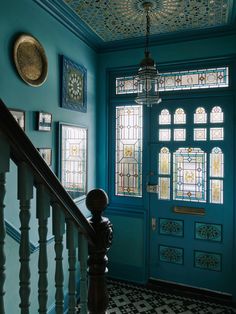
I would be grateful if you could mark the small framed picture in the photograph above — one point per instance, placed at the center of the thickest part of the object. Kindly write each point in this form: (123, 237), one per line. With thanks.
(19, 115)
(44, 121)
(46, 153)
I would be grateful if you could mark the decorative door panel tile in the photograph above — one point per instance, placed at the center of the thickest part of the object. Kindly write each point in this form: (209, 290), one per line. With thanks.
(171, 254)
(206, 260)
(207, 231)
(171, 227)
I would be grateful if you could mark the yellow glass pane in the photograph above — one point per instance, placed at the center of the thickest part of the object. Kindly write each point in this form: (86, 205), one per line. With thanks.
(164, 161)
(216, 191)
(164, 188)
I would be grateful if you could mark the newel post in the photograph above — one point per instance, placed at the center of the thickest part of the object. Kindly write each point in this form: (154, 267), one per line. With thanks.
(97, 201)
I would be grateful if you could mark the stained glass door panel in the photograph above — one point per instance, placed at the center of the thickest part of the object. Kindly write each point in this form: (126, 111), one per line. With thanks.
(191, 241)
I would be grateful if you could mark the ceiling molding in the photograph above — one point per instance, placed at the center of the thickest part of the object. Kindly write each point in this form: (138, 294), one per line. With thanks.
(67, 17)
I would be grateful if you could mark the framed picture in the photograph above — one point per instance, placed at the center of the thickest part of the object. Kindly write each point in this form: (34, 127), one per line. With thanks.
(46, 153)
(44, 122)
(19, 115)
(73, 159)
(74, 86)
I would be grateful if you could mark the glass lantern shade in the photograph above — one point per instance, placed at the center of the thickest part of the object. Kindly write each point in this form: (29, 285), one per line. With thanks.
(147, 83)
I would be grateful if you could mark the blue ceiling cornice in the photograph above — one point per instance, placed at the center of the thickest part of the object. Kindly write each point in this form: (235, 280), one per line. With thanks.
(62, 12)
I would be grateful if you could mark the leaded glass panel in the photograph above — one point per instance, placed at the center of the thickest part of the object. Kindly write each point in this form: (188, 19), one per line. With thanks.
(126, 85)
(164, 135)
(129, 151)
(164, 188)
(200, 134)
(164, 161)
(216, 134)
(74, 160)
(217, 163)
(216, 115)
(179, 116)
(216, 191)
(164, 117)
(179, 134)
(200, 115)
(182, 80)
(189, 175)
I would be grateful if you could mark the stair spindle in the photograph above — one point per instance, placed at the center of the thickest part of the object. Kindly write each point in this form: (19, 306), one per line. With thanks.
(83, 259)
(72, 244)
(58, 231)
(43, 213)
(25, 194)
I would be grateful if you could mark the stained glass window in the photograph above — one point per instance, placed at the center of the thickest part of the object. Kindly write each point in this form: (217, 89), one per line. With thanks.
(200, 134)
(126, 85)
(165, 117)
(216, 134)
(182, 80)
(200, 115)
(164, 135)
(216, 116)
(164, 161)
(74, 159)
(179, 116)
(189, 175)
(216, 191)
(164, 188)
(129, 151)
(216, 163)
(179, 134)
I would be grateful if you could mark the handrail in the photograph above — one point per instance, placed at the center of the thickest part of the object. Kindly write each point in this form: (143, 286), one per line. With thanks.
(43, 174)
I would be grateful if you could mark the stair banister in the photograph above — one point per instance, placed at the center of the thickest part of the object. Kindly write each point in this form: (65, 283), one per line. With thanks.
(90, 238)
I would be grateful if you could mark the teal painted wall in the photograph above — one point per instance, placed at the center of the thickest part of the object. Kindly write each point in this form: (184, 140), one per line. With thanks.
(124, 220)
(25, 16)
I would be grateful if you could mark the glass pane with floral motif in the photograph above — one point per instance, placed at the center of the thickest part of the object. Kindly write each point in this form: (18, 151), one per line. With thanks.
(200, 116)
(164, 117)
(129, 151)
(164, 135)
(216, 134)
(216, 191)
(189, 175)
(164, 188)
(179, 134)
(200, 134)
(216, 115)
(164, 161)
(179, 116)
(217, 163)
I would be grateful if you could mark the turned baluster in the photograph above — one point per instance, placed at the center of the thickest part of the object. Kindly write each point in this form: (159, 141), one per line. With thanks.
(96, 202)
(83, 258)
(43, 212)
(25, 194)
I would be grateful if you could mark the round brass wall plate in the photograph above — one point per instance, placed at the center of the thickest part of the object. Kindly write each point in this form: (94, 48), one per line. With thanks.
(30, 60)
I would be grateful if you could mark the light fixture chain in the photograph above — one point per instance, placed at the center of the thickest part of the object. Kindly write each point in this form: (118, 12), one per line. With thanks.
(147, 29)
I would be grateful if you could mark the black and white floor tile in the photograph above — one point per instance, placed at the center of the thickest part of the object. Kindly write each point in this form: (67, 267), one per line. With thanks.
(129, 299)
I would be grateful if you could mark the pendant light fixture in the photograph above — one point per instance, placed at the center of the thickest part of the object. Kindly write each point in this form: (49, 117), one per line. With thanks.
(148, 76)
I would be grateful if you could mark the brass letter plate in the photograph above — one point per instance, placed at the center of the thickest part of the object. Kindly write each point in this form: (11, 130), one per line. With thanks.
(189, 210)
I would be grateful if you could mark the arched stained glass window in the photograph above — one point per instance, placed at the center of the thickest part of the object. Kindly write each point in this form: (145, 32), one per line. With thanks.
(216, 115)
(216, 163)
(179, 116)
(164, 117)
(200, 115)
(164, 161)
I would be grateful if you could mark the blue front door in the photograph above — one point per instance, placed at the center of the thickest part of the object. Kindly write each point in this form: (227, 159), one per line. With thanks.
(191, 214)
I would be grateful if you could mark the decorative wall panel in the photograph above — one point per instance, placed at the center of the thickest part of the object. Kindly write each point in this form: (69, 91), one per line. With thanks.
(171, 227)
(207, 231)
(171, 254)
(206, 260)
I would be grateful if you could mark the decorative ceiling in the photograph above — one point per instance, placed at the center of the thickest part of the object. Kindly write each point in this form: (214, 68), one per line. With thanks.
(112, 24)
(113, 20)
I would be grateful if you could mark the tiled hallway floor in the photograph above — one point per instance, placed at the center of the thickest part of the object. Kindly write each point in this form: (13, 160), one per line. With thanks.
(131, 299)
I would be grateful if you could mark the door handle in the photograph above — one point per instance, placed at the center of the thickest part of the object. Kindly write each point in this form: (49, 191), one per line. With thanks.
(152, 188)
(154, 224)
